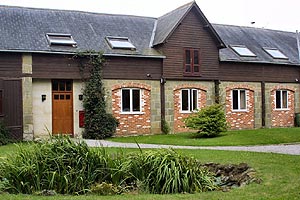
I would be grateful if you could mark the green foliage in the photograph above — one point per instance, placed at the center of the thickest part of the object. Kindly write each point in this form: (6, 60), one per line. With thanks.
(98, 123)
(61, 165)
(165, 127)
(106, 189)
(209, 121)
(166, 172)
(4, 135)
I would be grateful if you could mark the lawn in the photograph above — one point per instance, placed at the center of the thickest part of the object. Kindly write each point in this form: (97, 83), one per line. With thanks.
(280, 175)
(230, 138)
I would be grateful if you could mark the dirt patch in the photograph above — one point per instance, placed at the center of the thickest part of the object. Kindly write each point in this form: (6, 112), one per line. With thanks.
(232, 175)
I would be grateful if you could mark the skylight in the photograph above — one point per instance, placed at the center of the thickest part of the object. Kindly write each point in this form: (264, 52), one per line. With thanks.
(120, 43)
(275, 53)
(61, 39)
(243, 51)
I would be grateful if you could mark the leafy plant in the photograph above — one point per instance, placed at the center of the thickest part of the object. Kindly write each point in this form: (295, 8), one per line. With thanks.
(98, 123)
(4, 135)
(209, 121)
(165, 127)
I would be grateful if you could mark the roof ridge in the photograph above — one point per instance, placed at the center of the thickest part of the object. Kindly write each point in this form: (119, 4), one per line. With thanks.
(250, 27)
(76, 11)
(180, 7)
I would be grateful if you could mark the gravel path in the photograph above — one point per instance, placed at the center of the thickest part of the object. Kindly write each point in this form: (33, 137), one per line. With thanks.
(291, 149)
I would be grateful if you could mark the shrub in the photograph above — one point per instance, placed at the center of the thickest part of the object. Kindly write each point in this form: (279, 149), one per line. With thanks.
(61, 165)
(166, 172)
(209, 121)
(165, 126)
(4, 135)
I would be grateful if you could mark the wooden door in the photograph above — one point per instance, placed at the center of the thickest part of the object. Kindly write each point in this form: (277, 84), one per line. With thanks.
(62, 107)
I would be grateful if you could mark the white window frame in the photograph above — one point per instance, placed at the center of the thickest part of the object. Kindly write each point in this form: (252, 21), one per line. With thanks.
(190, 95)
(239, 100)
(281, 100)
(131, 101)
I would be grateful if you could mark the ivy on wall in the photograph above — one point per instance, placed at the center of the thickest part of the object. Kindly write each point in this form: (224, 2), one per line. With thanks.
(98, 123)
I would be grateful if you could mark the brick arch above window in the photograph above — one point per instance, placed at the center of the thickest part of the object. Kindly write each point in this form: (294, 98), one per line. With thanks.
(241, 87)
(131, 85)
(190, 86)
(291, 89)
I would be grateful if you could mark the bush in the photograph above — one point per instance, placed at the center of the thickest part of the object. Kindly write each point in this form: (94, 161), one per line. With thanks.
(4, 135)
(166, 172)
(209, 121)
(165, 127)
(61, 165)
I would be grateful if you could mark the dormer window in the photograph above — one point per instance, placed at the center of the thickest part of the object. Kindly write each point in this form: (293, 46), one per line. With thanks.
(275, 53)
(120, 43)
(242, 50)
(61, 39)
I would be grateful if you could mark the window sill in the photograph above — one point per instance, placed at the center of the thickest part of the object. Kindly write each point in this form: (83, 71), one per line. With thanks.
(282, 109)
(187, 112)
(191, 75)
(132, 113)
(239, 110)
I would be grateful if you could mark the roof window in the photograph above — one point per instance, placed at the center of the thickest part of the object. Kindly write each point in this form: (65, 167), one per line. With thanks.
(242, 50)
(61, 39)
(275, 53)
(120, 43)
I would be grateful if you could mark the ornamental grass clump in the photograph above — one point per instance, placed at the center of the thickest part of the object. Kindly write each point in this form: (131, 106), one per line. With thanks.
(166, 172)
(61, 165)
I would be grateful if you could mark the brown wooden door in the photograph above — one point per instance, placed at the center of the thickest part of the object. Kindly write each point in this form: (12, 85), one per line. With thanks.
(62, 107)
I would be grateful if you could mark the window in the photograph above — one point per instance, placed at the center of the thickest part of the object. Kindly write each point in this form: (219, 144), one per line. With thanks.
(191, 62)
(281, 99)
(131, 100)
(239, 100)
(189, 100)
(242, 50)
(1, 102)
(275, 53)
(120, 43)
(61, 39)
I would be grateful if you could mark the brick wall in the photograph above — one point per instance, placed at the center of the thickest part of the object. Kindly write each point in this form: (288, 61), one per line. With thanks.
(132, 124)
(240, 119)
(179, 116)
(283, 117)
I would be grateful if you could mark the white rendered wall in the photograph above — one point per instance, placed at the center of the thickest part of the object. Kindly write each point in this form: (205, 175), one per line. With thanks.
(77, 106)
(42, 111)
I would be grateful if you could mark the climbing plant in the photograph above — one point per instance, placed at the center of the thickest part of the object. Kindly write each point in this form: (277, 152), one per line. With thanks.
(98, 123)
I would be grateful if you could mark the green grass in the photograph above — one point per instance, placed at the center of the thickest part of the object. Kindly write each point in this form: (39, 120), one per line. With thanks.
(230, 138)
(280, 174)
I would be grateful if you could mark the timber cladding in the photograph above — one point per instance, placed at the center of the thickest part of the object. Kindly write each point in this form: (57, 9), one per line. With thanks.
(10, 65)
(231, 71)
(191, 34)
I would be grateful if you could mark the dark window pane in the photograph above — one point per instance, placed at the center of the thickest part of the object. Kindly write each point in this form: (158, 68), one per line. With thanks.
(185, 100)
(235, 99)
(61, 86)
(1, 102)
(278, 99)
(195, 100)
(68, 96)
(68, 85)
(196, 57)
(284, 99)
(136, 100)
(56, 96)
(187, 57)
(125, 100)
(61, 96)
(188, 68)
(242, 99)
(55, 85)
(196, 68)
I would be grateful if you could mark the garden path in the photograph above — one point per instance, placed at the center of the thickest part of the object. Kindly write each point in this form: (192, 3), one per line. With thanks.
(291, 149)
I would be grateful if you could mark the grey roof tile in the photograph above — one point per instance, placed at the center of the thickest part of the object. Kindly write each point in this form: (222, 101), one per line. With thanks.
(255, 39)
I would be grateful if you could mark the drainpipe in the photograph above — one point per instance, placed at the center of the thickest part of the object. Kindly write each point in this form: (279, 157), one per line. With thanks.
(263, 104)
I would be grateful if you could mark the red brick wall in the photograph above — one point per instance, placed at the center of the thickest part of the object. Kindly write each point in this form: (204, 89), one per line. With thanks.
(240, 119)
(284, 117)
(179, 125)
(132, 124)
